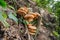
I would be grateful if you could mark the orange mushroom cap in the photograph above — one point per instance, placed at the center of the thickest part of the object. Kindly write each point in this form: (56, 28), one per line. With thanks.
(36, 15)
(31, 27)
(29, 17)
(31, 33)
(22, 11)
(29, 24)
(31, 30)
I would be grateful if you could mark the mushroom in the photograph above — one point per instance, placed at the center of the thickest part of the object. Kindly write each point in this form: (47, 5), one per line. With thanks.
(31, 29)
(29, 17)
(31, 33)
(30, 26)
(36, 15)
(22, 11)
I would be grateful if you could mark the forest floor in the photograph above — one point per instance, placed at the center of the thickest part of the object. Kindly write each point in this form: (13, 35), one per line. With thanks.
(17, 31)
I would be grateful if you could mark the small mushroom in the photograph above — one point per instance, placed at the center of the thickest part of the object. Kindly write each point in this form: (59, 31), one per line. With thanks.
(29, 17)
(31, 27)
(31, 33)
(32, 30)
(36, 15)
(22, 11)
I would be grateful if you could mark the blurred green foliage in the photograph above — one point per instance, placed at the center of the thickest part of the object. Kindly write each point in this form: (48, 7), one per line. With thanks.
(4, 16)
(13, 17)
(56, 10)
(44, 3)
(53, 7)
(3, 3)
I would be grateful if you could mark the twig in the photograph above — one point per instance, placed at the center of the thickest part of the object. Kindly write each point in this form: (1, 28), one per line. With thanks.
(29, 38)
(38, 25)
(32, 37)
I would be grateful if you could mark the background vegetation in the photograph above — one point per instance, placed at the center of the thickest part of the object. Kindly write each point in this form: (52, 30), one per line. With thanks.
(54, 8)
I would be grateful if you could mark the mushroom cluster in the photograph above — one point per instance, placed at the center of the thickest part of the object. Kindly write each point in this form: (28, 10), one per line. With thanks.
(31, 29)
(22, 11)
(29, 16)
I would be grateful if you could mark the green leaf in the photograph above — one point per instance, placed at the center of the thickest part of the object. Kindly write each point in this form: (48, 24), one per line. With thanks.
(4, 15)
(11, 7)
(25, 22)
(3, 20)
(55, 33)
(5, 23)
(11, 16)
(34, 22)
(3, 3)
(1, 17)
